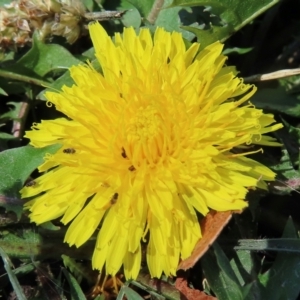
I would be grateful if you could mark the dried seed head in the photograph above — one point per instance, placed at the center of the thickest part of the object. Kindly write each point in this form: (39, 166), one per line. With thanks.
(19, 19)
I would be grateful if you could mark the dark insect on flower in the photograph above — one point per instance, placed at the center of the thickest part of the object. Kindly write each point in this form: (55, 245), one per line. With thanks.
(131, 168)
(114, 198)
(123, 153)
(69, 151)
(30, 183)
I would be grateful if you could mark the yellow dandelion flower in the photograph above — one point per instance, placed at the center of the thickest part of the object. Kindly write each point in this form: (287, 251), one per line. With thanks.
(147, 144)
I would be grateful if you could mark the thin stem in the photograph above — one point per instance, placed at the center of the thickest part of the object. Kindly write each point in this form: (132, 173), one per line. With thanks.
(11, 75)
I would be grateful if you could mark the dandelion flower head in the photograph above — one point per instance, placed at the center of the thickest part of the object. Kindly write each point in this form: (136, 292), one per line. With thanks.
(155, 137)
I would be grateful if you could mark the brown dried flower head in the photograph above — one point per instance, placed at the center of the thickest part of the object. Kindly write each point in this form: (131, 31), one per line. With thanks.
(19, 19)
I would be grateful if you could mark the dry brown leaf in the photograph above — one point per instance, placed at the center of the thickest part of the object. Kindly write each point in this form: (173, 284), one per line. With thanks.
(190, 294)
(211, 226)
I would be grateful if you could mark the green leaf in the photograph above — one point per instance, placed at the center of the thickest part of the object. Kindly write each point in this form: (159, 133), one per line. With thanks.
(129, 293)
(13, 114)
(135, 10)
(4, 139)
(43, 58)
(284, 272)
(233, 13)
(16, 166)
(288, 174)
(100, 297)
(207, 37)
(65, 79)
(89, 54)
(144, 7)
(12, 277)
(132, 16)
(17, 72)
(220, 275)
(89, 4)
(242, 265)
(2, 92)
(253, 288)
(274, 98)
(76, 291)
(39, 243)
(4, 2)
(169, 19)
(78, 270)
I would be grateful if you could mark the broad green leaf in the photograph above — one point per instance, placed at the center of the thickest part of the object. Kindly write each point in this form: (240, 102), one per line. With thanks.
(43, 58)
(234, 14)
(134, 10)
(4, 139)
(284, 272)
(169, 19)
(89, 54)
(209, 36)
(16, 166)
(144, 7)
(132, 16)
(220, 275)
(274, 98)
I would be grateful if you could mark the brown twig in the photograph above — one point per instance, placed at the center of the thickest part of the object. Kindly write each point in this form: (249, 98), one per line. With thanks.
(18, 125)
(273, 75)
(152, 16)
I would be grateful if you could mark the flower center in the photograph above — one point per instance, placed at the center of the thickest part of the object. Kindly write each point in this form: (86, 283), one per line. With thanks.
(145, 124)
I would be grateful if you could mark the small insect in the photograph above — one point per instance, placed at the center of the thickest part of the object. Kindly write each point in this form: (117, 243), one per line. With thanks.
(114, 198)
(30, 183)
(123, 153)
(131, 168)
(69, 151)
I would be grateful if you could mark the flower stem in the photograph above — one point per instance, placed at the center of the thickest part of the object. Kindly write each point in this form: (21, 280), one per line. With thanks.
(11, 75)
